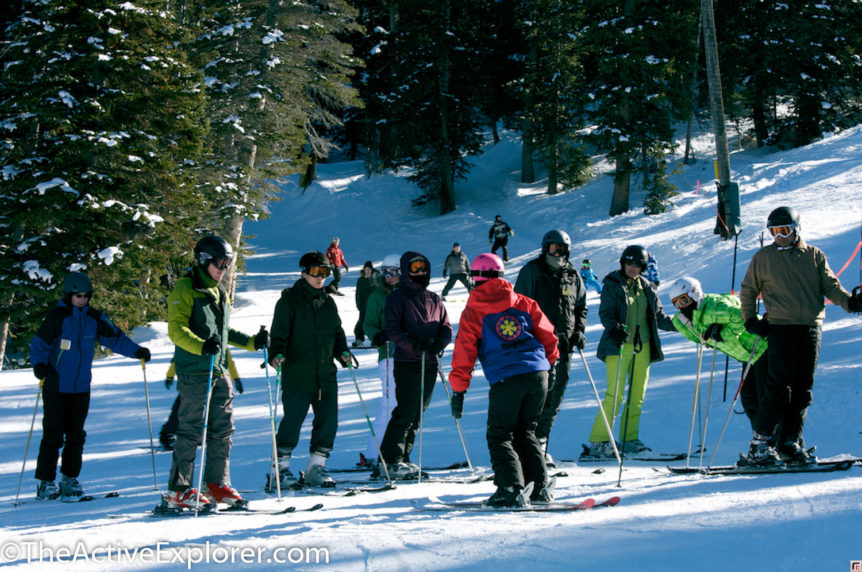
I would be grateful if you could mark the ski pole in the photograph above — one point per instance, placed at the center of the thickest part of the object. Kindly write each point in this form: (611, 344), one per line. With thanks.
(694, 403)
(457, 421)
(708, 397)
(421, 411)
(617, 388)
(370, 425)
(204, 435)
(630, 386)
(602, 409)
(273, 470)
(150, 425)
(735, 397)
(29, 436)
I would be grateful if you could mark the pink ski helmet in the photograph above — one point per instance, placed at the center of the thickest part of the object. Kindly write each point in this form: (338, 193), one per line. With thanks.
(486, 266)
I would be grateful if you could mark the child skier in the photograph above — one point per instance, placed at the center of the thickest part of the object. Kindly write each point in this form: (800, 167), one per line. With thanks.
(62, 357)
(589, 277)
(517, 347)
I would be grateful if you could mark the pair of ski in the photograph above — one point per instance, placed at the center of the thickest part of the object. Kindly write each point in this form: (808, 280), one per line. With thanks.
(646, 456)
(437, 505)
(823, 466)
(73, 500)
(367, 469)
(337, 489)
(162, 510)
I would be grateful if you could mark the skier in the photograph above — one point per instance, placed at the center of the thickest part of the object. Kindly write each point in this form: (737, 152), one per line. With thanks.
(375, 329)
(631, 314)
(651, 272)
(62, 356)
(589, 277)
(793, 277)
(199, 326)
(337, 262)
(499, 235)
(168, 433)
(418, 326)
(716, 320)
(516, 344)
(306, 337)
(364, 285)
(553, 282)
(457, 265)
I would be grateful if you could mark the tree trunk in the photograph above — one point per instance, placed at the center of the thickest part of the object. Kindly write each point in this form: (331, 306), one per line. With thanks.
(447, 178)
(554, 170)
(622, 186)
(4, 335)
(528, 172)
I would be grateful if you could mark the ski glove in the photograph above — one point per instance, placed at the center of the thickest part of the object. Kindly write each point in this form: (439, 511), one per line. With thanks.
(579, 340)
(347, 360)
(758, 327)
(457, 404)
(238, 384)
(143, 353)
(854, 304)
(42, 370)
(423, 345)
(619, 334)
(276, 361)
(261, 339)
(713, 332)
(437, 347)
(379, 339)
(169, 382)
(212, 345)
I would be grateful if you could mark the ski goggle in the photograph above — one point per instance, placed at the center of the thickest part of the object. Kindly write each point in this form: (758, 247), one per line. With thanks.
(682, 301)
(556, 249)
(391, 271)
(586, 264)
(317, 271)
(784, 230)
(221, 263)
(419, 266)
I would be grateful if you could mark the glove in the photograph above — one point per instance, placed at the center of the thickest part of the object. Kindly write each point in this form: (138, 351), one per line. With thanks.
(579, 340)
(345, 359)
(380, 339)
(423, 345)
(457, 404)
(437, 347)
(42, 370)
(490, 241)
(238, 384)
(757, 326)
(169, 382)
(619, 334)
(511, 233)
(276, 361)
(212, 345)
(854, 304)
(713, 332)
(143, 353)
(261, 339)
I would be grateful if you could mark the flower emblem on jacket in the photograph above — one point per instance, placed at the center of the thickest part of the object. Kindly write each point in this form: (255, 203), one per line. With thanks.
(508, 328)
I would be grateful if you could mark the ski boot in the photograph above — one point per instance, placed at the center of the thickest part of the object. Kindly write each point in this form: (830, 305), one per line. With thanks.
(226, 494)
(70, 489)
(46, 490)
(507, 497)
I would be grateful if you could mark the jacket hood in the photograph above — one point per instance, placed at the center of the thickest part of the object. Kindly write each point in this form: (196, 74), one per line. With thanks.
(494, 292)
(405, 274)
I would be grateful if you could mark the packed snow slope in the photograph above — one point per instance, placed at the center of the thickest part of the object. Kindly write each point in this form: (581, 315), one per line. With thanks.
(664, 521)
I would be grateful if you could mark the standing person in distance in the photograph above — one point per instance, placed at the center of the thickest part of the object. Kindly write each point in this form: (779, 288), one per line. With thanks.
(457, 265)
(199, 326)
(498, 236)
(631, 315)
(375, 329)
(716, 320)
(417, 325)
(337, 262)
(62, 356)
(517, 347)
(364, 285)
(306, 339)
(793, 277)
(589, 277)
(553, 282)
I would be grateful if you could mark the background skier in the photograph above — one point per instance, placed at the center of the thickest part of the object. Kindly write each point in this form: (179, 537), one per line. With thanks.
(457, 265)
(498, 237)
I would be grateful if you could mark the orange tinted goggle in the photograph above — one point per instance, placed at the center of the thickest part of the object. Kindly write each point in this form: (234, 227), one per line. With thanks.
(682, 301)
(783, 231)
(419, 266)
(318, 271)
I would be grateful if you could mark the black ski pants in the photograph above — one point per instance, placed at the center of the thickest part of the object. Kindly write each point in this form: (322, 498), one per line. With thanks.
(514, 405)
(792, 353)
(501, 243)
(462, 278)
(63, 417)
(401, 431)
(324, 426)
(753, 393)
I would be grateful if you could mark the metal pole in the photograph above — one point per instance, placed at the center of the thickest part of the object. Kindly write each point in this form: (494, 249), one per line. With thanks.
(204, 434)
(708, 396)
(602, 409)
(457, 421)
(150, 425)
(29, 435)
(421, 411)
(274, 472)
(370, 425)
(694, 403)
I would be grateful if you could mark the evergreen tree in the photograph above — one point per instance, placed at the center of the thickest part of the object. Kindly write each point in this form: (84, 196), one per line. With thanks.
(100, 111)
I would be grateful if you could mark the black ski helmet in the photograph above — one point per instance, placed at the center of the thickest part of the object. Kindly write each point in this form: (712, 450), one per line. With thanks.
(783, 216)
(211, 248)
(557, 237)
(77, 283)
(634, 254)
(313, 258)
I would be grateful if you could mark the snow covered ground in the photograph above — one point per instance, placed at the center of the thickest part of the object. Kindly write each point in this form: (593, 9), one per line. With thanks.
(663, 522)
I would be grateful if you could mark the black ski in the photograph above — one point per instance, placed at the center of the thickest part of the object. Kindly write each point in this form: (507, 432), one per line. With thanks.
(647, 457)
(820, 467)
(338, 489)
(435, 504)
(360, 469)
(69, 500)
(164, 511)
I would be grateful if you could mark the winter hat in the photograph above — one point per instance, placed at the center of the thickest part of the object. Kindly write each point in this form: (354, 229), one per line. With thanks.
(313, 258)
(368, 264)
(454, 244)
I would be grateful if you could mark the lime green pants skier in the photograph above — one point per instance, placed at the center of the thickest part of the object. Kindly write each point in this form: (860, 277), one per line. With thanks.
(638, 384)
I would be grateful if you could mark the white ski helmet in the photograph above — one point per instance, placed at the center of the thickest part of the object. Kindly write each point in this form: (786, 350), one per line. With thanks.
(392, 261)
(687, 285)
